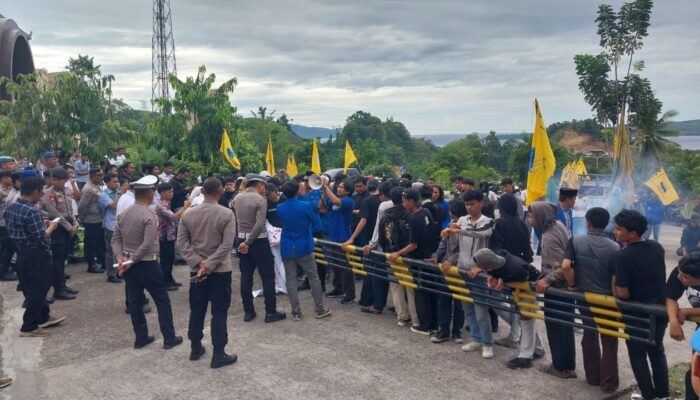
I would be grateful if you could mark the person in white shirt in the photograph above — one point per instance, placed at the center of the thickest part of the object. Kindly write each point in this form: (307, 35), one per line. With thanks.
(167, 174)
(119, 159)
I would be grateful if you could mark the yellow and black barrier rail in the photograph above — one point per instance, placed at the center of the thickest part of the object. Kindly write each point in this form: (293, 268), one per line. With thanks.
(593, 311)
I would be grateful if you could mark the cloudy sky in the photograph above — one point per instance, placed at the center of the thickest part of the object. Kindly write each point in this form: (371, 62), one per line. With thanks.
(450, 66)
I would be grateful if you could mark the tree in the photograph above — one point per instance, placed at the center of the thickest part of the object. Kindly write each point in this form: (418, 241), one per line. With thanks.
(621, 35)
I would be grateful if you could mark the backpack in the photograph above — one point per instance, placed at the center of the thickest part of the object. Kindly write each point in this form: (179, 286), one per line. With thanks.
(438, 213)
(394, 232)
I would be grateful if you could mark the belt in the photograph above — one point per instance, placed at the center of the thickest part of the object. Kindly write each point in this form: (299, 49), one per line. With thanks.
(149, 257)
(244, 236)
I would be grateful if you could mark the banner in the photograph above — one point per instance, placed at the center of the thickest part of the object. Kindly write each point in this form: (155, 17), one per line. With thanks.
(661, 185)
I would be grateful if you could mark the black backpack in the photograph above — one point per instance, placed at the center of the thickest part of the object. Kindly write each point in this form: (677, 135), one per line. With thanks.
(394, 232)
(438, 213)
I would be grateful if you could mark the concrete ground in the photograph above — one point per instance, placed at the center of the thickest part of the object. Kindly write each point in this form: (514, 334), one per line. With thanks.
(349, 355)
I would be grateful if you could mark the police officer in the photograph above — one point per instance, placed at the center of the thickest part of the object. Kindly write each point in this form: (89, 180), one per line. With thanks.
(90, 216)
(135, 245)
(253, 248)
(56, 204)
(205, 237)
(7, 193)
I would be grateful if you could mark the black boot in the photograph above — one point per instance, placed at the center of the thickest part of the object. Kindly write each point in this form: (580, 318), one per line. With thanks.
(222, 359)
(197, 352)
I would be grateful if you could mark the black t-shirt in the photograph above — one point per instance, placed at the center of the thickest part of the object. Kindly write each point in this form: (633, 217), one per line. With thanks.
(179, 194)
(357, 200)
(421, 234)
(368, 210)
(272, 216)
(514, 270)
(641, 269)
(674, 289)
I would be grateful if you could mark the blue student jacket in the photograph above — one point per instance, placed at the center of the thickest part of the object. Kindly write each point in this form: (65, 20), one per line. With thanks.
(297, 219)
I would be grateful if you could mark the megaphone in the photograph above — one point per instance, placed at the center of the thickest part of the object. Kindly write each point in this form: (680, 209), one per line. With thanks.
(317, 181)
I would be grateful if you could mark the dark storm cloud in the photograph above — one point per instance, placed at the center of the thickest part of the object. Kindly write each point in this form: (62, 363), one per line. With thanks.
(433, 64)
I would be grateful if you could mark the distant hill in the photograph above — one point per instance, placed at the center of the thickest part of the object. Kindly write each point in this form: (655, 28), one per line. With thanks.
(687, 128)
(447, 138)
(310, 132)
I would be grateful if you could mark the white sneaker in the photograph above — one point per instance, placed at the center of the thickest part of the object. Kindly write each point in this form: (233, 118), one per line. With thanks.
(636, 396)
(471, 346)
(487, 352)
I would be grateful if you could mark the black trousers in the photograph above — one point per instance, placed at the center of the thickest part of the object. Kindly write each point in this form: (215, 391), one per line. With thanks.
(216, 289)
(167, 259)
(344, 280)
(8, 250)
(148, 275)
(654, 383)
(562, 345)
(60, 240)
(259, 255)
(34, 266)
(94, 244)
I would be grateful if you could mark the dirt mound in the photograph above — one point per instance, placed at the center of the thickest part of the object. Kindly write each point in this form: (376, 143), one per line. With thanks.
(581, 143)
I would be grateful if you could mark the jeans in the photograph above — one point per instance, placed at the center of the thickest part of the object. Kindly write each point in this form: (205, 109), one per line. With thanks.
(259, 255)
(216, 289)
(450, 310)
(656, 386)
(308, 265)
(94, 244)
(561, 337)
(655, 229)
(148, 275)
(167, 258)
(109, 257)
(34, 267)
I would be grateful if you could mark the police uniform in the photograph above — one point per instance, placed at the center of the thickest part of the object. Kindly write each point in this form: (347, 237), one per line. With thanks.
(8, 247)
(136, 238)
(206, 232)
(56, 204)
(91, 217)
(250, 209)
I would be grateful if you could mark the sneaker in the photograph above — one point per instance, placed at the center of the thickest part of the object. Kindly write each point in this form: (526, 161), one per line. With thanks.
(471, 346)
(296, 317)
(347, 300)
(38, 332)
(5, 381)
(176, 341)
(249, 317)
(335, 293)
(143, 343)
(636, 396)
(519, 363)
(507, 342)
(274, 317)
(114, 279)
(404, 322)
(71, 290)
(439, 338)
(197, 352)
(487, 352)
(458, 339)
(418, 330)
(52, 321)
(222, 360)
(323, 314)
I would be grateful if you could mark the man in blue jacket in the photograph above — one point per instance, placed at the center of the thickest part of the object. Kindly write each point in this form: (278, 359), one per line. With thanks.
(297, 245)
(654, 211)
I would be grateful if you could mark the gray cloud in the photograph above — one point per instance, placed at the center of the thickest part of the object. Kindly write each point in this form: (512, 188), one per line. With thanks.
(438, 66)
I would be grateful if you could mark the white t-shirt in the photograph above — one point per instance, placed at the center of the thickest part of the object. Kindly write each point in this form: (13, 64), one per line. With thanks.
(165, 178)
(125, 201)
(118, 160)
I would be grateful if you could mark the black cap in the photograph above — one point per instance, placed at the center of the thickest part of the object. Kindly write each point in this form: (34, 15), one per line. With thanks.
(411, 194)
(59, 173)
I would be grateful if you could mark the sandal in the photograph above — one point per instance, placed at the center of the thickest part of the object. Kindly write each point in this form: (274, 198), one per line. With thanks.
(370, 310)
(549, 370)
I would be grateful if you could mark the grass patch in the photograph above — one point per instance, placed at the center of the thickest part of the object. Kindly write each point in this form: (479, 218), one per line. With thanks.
(676, 383)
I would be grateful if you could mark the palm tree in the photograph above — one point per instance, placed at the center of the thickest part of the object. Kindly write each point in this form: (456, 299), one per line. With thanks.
(650, 136)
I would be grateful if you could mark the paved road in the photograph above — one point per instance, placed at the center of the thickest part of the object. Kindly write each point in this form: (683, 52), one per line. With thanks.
(349, 355)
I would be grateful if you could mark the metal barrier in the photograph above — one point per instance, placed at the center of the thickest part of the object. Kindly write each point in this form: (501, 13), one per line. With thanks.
(604, 314)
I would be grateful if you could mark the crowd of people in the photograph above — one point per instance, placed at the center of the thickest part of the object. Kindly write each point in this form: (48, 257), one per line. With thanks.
(137, 225)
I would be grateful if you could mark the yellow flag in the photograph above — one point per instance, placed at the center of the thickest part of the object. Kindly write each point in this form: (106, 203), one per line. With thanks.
(542, 162)
(315, 160)
(292, 166)
(663, 188)
(581, 167)
(623, 164)
(270, 157)
(225, 147)
(349, 156)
